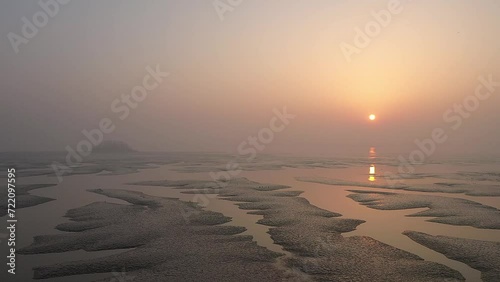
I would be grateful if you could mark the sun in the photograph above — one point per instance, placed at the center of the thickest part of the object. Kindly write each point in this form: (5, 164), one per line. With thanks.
(372, 117)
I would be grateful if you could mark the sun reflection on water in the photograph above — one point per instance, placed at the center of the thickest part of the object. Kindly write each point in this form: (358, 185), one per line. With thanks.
(372, 155)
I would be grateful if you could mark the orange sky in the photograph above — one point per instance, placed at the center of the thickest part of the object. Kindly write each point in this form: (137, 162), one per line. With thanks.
(227, 76)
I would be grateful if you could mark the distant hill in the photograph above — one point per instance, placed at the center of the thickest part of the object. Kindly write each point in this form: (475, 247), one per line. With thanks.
(113, 147)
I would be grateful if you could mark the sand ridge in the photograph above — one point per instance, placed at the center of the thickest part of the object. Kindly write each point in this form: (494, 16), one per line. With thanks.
(481, 255)
(446, 210)
(477, 189)
(163, 245)
(23, 198)
(313, 236)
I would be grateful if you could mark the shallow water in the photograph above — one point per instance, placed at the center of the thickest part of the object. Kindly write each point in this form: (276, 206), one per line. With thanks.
(385, 226)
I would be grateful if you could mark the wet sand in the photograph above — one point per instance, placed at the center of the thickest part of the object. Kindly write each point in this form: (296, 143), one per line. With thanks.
(72, 194)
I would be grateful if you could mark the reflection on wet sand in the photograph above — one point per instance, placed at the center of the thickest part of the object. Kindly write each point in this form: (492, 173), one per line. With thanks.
(372, 156)
(372, 173)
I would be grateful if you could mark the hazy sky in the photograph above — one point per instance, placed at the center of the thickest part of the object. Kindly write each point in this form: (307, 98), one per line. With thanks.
(226, 76)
